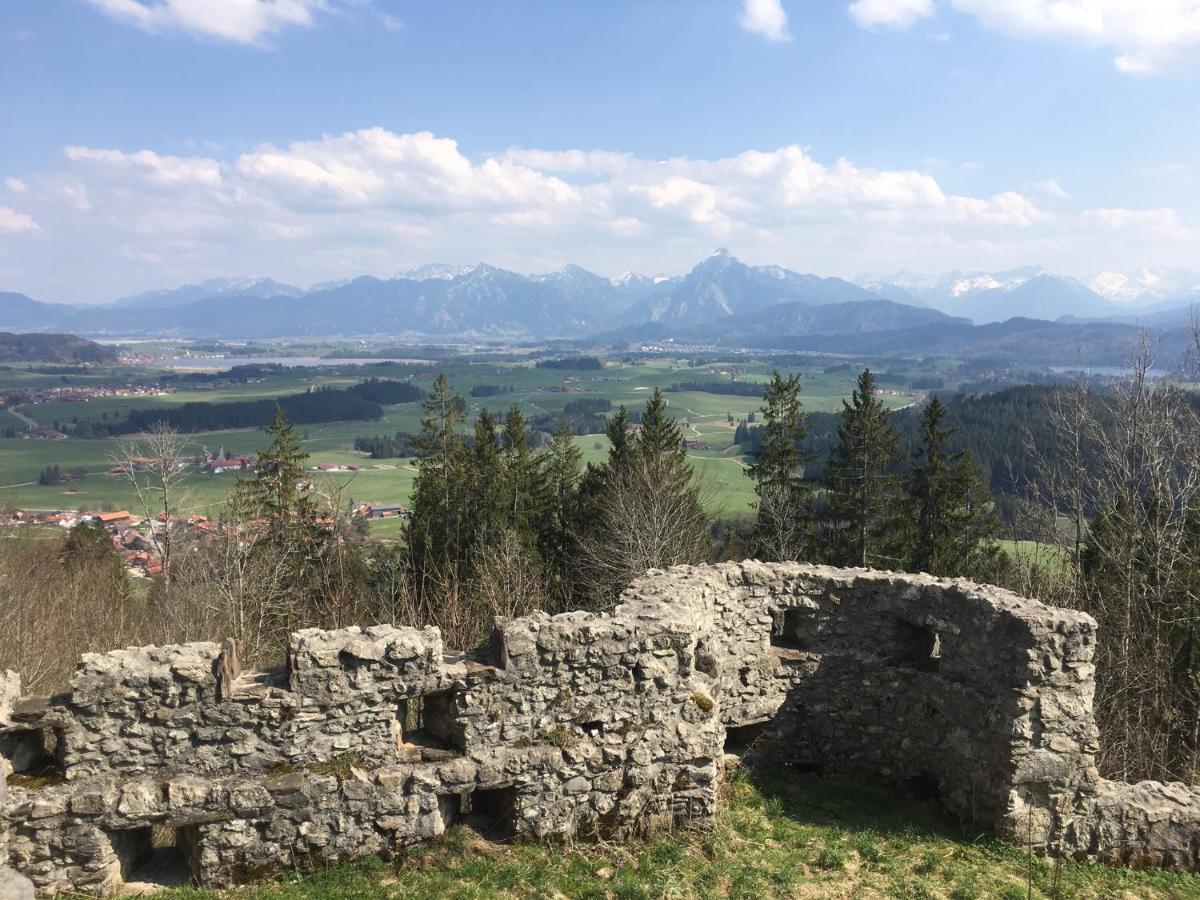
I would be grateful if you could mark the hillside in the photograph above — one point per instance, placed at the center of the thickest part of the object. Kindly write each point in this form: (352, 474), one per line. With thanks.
(55, 348)
(776, 836)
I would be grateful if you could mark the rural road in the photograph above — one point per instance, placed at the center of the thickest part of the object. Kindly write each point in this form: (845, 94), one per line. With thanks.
(16, 411)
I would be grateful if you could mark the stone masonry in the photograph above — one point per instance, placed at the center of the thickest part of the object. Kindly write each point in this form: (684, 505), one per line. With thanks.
(170, 764)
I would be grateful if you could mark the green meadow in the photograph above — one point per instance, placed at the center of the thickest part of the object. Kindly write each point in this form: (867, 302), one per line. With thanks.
(704, 417)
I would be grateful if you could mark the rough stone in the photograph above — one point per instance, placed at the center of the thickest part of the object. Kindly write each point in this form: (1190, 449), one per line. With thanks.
(373, 739)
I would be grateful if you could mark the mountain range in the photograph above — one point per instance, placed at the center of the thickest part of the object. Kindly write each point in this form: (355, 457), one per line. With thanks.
(722, 300)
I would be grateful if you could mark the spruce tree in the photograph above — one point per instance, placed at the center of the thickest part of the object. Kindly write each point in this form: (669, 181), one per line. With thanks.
(487, 502)
(862, 484)
(952, 521)
(620, 449)
(278, 492)
(563, 468)
(659, 440)
(525, 494)
(437, 524)
(783, 521)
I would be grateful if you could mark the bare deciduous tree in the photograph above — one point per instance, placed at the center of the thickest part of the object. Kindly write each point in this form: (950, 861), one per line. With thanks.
(1124, 472)
(639, 524)
(156, 464)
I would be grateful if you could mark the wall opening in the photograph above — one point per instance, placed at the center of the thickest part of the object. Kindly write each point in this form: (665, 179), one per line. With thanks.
(428, 721)
(915, 646)
(792, 628)
(493, 813)
(157, 855)
(744, 740)
(35, 753)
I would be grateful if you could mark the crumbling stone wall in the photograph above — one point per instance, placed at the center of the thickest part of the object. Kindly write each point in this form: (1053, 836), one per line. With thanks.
(171, 759)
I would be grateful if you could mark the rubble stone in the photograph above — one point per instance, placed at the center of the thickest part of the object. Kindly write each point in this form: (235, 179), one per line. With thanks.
(576, 725)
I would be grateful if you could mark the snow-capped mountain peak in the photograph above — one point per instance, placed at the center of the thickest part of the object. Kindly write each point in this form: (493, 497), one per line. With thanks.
(434, 271)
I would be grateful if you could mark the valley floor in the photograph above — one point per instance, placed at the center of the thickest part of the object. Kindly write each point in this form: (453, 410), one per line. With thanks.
(777, 836)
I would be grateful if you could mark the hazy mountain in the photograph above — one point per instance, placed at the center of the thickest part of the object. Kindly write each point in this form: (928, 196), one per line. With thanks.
(721, 297)
(1017, 340)
(995, 296)
(723, 287)
(213, 287)
(793, 319)
(21, 313)
(857, 317)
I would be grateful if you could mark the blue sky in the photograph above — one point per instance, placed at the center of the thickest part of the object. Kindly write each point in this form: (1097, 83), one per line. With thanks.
(149, 142)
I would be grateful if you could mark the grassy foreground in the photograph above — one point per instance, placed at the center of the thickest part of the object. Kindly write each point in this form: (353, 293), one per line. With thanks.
(776, 836)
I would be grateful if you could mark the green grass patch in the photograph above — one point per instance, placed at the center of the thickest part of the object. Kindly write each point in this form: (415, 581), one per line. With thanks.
(776, 836)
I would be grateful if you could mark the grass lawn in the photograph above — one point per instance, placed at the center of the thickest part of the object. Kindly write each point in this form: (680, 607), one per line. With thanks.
(776, 836)
(1053, 558)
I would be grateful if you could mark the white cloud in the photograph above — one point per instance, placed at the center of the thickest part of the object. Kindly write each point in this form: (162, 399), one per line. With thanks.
(16, 185)
(890, 13)
(1145, 33)
(160, 169)
(240, 21)
(13, 222)
(766, 18)
(376, 201)
(1051, 188)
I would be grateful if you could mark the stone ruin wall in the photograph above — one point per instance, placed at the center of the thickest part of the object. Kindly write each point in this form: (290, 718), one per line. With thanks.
(576, 725)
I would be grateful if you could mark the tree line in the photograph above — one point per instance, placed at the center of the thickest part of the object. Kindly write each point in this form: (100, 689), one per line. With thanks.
(362, 401)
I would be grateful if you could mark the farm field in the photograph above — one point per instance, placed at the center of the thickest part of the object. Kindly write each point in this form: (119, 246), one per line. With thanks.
(704, 417)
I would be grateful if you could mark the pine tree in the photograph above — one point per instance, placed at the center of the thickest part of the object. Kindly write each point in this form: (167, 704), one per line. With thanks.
(952, 520)
(783, 523)
(862, 484)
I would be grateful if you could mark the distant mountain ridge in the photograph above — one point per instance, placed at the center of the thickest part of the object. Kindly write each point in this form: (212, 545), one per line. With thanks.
(206, 290)
(721, 301)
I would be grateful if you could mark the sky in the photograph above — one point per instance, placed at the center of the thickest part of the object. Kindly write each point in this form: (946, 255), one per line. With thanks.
(147, 143)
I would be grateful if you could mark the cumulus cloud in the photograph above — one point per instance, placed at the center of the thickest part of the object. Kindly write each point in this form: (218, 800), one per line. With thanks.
(1146, 34)
(16, 185)
(13, 222)
(375, 201)
(240, 21)
(765, 18)
(890, 13)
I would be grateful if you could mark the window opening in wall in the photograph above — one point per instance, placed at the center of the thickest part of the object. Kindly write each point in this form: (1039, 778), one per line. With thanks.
(492, 812)
(35, 754)
(916, 647)
(428, 721)
(792, 628)
(157, 855)
(743, 739)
